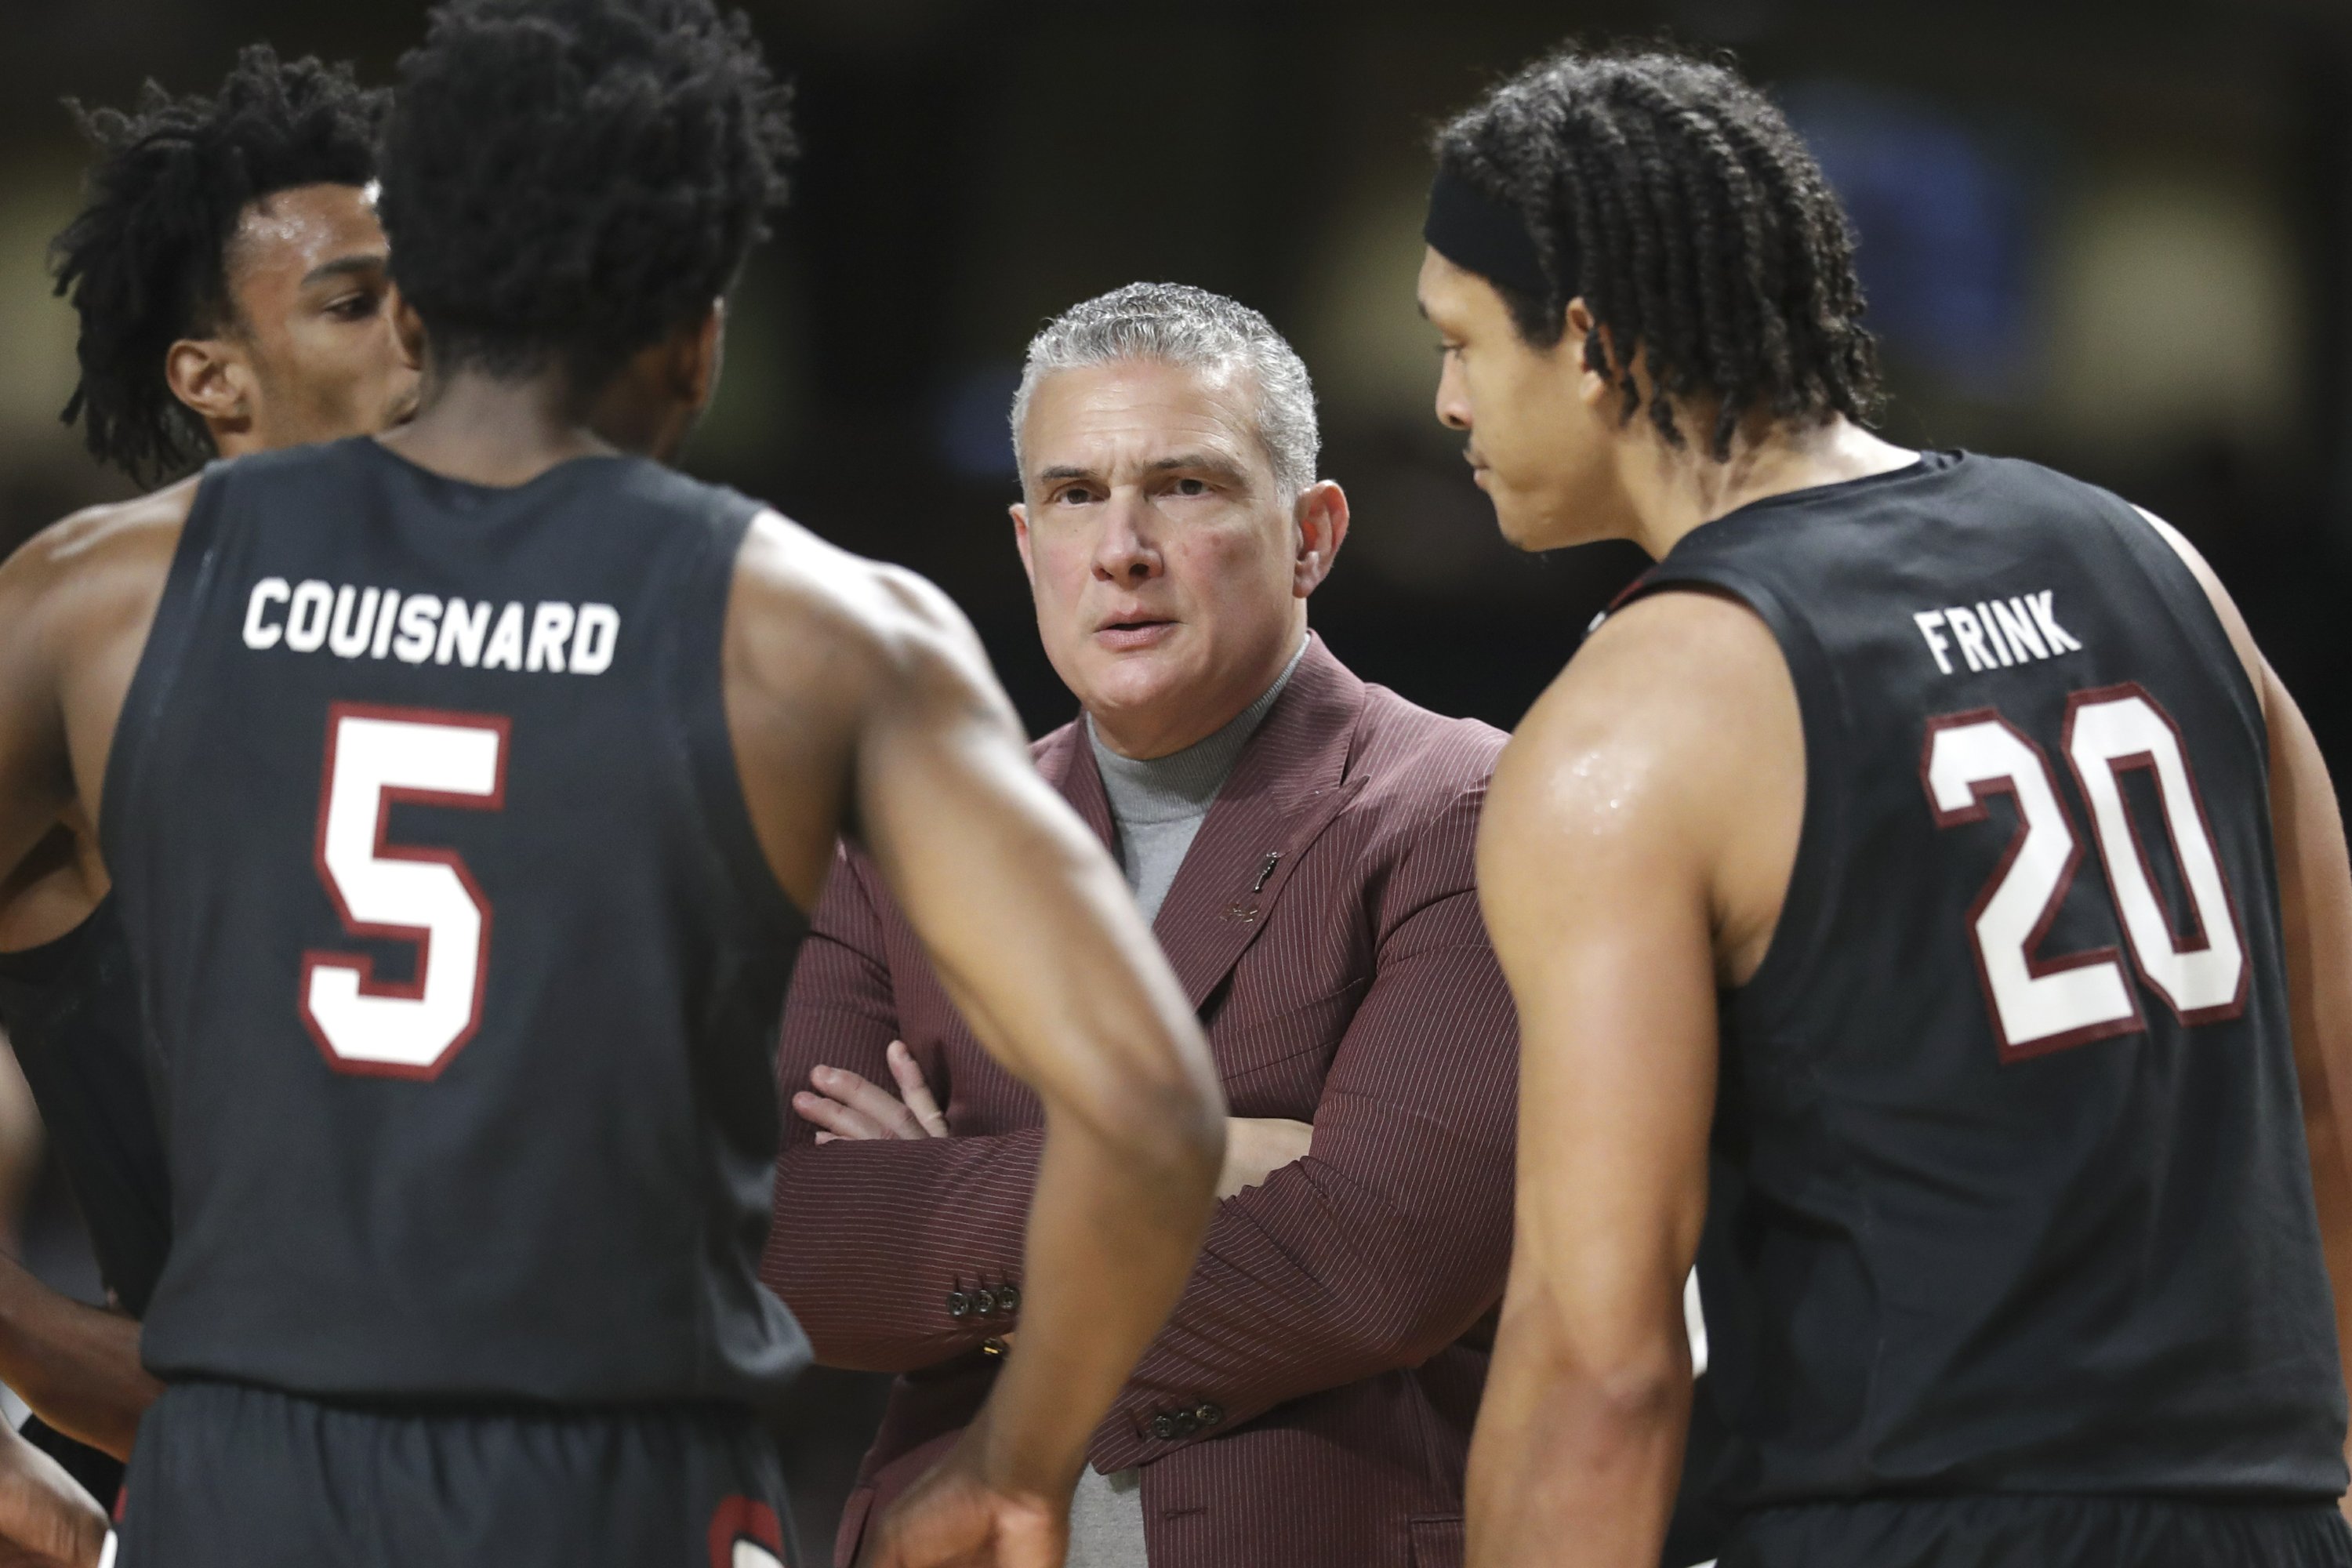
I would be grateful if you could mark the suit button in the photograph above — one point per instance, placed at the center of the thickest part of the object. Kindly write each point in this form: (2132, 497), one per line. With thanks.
(1008, 1297)
(986, 1303)
(959, 1304)
(1187, 1423)
(1163, 1428)
(1208, 1415)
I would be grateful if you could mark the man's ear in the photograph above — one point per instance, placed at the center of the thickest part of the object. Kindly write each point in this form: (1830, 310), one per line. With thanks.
(212, 376)
(1322, 529)
(1021, 541)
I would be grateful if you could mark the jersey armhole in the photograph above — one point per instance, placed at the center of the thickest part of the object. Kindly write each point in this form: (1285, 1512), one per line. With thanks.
(144, 700)
(1800, 934)
(2175, 580)
(698, 689)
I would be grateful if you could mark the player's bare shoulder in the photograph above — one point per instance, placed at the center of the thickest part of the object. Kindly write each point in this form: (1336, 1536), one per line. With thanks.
(1664, 690)
(824, 649)
(1672, 739)
(95, 559)
(816, 629)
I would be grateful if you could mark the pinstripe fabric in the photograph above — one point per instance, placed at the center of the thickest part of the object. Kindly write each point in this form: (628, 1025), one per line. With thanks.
(1340, 1315)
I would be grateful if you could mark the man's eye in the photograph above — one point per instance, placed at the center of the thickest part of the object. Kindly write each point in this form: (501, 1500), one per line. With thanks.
(1192, 487)
(352, 306)
(1077, 495)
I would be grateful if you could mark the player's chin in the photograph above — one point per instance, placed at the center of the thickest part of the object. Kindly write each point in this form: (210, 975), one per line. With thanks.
(1523, 524)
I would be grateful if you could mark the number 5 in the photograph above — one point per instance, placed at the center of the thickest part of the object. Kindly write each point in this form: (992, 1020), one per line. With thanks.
(376, 756)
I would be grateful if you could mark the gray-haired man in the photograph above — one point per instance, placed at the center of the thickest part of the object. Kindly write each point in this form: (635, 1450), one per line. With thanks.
(1303, 843)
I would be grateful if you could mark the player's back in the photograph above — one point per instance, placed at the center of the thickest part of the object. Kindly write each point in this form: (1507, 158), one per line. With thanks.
(2012, 1190)
(461, 960)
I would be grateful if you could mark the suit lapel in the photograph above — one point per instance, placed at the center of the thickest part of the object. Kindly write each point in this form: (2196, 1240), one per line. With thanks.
(1286, 786)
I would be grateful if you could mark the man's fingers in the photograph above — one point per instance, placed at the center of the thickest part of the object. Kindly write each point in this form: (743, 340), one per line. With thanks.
(915, 1089)
(835, 1118)
(878, 1105)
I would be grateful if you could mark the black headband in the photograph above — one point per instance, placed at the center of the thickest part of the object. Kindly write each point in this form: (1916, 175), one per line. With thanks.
(1481, 234)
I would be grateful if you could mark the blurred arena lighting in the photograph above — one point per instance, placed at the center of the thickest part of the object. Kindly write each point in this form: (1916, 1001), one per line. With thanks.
(2175, 310)
(1945, 225)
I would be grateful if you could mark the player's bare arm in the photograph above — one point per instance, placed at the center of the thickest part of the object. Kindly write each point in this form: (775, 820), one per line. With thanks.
(2315, 919)
(87, 588)
(1635, 850)
(1039, 944)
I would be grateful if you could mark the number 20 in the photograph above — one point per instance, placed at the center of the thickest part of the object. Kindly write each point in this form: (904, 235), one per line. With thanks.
(2045, 1004)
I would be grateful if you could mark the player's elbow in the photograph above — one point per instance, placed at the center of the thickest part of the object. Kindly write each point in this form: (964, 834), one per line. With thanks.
(1167, 1118)
(1613, 1380)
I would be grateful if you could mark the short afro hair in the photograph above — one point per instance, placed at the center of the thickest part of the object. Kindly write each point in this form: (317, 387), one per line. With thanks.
(1702, 234)
(145, 262)
(566, 180)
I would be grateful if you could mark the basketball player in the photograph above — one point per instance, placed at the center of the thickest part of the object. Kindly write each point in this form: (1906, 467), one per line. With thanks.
(1925, 837)
(459, 843)
(232, 288)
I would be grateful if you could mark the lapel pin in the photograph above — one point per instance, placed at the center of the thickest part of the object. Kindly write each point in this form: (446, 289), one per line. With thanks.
(1265, 870)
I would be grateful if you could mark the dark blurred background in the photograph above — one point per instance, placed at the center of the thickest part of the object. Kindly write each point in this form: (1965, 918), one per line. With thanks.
(2115, 235)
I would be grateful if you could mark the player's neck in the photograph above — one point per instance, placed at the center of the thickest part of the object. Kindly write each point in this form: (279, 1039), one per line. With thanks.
(1676, 490)
(492, 430)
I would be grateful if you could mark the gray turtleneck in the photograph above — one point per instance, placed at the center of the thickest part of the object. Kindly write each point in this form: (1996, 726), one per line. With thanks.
(1159, 805)
(1160, 802)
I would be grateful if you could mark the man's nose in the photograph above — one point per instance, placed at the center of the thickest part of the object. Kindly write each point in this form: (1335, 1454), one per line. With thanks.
(1452, 399)
(1126, 551)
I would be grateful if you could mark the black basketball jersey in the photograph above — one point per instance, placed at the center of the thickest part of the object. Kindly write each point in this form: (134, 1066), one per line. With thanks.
(462, 964)
(2013, 1193)
(71, 1008)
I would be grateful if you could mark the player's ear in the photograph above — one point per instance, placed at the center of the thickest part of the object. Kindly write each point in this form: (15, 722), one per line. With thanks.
(211, 376)
(1322, 529)
(1583, 328)
(701, 353)
(409, 328)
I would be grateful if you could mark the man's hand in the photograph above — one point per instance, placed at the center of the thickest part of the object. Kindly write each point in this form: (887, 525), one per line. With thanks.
(47, 1520)
(847, 1105)
(954, 1518)
(1258, 1146)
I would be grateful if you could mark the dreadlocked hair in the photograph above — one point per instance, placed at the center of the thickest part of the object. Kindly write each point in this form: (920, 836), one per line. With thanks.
(145, 262)
(567, 181)
(1701, 232)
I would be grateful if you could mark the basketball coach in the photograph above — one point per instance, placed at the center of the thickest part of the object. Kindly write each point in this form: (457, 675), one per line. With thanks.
(1303, 842)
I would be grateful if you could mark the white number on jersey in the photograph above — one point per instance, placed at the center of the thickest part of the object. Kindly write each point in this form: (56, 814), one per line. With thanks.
(2201, 976)
(2041, 1004)
(375, 757)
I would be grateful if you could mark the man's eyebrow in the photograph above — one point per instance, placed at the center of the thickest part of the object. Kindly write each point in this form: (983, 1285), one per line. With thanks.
(1205, 462)
(1065, 471)
(347, 266)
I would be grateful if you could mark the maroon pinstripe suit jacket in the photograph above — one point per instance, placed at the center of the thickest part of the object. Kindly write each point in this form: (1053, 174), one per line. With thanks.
(1310, 1402)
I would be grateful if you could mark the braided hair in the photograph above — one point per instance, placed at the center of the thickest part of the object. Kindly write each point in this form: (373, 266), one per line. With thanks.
(145, 261)
(1700, 231)
(566, 180)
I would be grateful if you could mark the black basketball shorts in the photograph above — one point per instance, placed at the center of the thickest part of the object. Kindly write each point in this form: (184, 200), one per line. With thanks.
(230, 1476)
(1988, 1530)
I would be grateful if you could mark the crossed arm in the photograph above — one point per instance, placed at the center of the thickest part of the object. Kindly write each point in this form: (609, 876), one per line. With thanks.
(1378, 1247)
(858, 693)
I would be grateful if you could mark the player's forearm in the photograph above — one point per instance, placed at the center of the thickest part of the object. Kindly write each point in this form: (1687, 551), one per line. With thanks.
(78, 1366)
(1577, 1457)
(1127, 1193)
